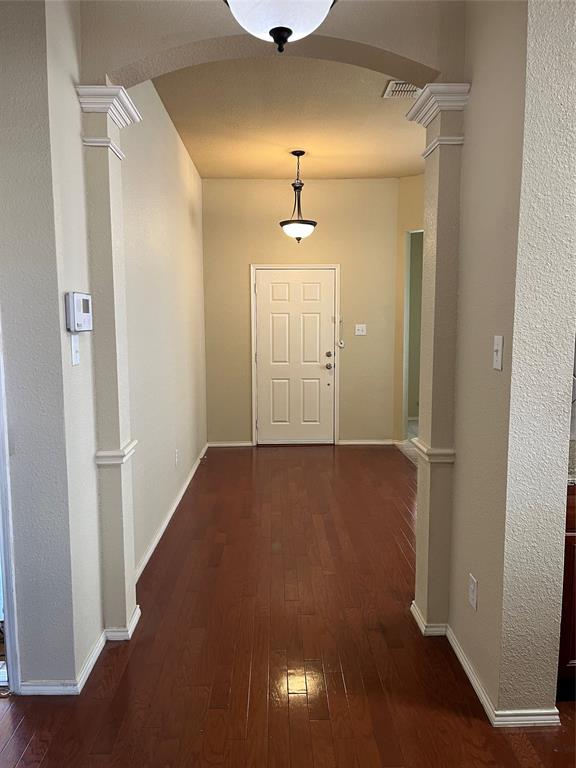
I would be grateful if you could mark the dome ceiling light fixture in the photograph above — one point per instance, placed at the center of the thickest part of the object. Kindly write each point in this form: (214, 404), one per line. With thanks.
(280, 20)
(298, 227)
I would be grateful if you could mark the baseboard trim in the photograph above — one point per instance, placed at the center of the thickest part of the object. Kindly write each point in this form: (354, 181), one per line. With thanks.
(366, 442)
(160, 532)
(501, 718)
(65, 687)
(117, 634)
(232, 444)
(428, 630)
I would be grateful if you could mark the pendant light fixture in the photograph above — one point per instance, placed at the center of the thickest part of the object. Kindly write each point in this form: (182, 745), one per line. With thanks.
(280, 20)
(298, 227)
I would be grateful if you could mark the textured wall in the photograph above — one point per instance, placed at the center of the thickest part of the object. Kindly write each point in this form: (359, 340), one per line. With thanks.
(542, 365)
(32, 350)
(357, 228)
(162, 196)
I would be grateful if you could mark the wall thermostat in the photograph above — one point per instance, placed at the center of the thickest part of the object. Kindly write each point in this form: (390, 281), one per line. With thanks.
(78, 312)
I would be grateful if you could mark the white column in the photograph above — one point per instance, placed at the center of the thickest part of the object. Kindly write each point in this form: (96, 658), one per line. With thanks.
(107, 110)
(439, 109)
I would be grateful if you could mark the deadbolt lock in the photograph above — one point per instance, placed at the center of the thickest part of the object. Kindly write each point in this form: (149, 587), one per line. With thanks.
(329, 353)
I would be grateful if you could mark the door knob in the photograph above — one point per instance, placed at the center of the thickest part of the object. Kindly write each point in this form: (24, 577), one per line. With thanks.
(329, 366)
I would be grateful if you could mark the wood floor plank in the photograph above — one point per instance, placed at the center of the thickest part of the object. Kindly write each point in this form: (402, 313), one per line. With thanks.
(276, 633)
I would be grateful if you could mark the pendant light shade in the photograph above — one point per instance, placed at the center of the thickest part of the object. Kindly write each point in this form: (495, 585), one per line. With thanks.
(297, 226)
(280, 20)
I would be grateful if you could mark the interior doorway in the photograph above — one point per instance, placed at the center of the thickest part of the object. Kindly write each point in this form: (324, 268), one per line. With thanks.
(412, 331)
(294, 360)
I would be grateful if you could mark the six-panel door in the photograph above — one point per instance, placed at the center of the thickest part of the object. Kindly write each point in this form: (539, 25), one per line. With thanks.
(295, 324)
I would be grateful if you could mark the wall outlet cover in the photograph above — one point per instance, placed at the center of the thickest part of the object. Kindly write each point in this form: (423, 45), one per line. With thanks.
(360, 329)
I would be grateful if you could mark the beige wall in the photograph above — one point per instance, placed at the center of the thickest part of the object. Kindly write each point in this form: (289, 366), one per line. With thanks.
(490, 192)
(63, 52)
(410, 217)
(357, 228)
(162, 195)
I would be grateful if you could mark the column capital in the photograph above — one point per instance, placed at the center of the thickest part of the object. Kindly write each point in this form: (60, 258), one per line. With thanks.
(438, 97)
(112, 100)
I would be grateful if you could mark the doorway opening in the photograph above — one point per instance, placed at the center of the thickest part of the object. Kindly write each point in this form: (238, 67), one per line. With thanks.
(412, 331)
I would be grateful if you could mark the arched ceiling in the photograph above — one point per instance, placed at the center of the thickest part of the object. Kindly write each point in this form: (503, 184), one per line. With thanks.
(240, 119)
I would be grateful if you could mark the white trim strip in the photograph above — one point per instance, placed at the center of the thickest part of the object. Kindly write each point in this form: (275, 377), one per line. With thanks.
(116, 634)
(441, 140)
(428, 630)
(231, 444)
(65, 687)
(499, 718)
(434, 455)
(367, 442)
(160, 532)
(120, 456)
(110, 99)
(103, 141)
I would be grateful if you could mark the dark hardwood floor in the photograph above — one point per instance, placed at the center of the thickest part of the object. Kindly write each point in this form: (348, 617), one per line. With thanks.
(275, 632)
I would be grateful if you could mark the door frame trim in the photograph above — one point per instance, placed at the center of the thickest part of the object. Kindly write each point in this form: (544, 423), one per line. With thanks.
(326, 267)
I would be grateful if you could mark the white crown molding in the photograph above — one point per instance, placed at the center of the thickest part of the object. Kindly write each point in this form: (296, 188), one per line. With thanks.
(117, 634)
(109, 99)
(160, 532)
(439, 141)
(119, 456)
(103, 141)
(428, 630)
(436, 98)
(434, 455)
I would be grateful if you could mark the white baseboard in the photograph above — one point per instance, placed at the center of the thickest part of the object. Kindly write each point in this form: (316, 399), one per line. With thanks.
(499, 718)
(428, 630)
(64, 687)
(160, 532)
(232, 444)
(366, 442)
(117, 634)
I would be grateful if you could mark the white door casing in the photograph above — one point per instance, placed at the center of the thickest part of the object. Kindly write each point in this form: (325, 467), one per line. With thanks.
(294, 354)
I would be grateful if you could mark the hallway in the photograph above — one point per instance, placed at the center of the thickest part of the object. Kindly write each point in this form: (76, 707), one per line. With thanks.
(276, 631)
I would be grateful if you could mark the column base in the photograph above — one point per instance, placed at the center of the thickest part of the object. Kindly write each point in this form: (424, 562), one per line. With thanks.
(124, 633)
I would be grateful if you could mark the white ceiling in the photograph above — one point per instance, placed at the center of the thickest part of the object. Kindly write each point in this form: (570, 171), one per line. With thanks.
(240, 119)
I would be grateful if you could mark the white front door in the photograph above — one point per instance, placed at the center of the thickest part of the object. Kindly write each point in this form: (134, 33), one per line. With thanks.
(295, 355)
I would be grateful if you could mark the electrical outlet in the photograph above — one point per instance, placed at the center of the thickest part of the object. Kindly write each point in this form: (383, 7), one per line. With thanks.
(472, 592)
(176, 457)
(498, 353)
(360, 329)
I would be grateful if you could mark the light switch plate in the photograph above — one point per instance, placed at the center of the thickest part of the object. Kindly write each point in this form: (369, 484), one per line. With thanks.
(360, 329)
(472, 592)
(75, 348)
(498, 353)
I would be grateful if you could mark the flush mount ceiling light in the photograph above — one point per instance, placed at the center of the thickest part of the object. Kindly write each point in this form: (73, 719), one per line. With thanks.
(298, 227)
(280, 20)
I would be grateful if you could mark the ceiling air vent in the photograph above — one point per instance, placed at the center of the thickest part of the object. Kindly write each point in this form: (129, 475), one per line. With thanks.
(398, 89)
